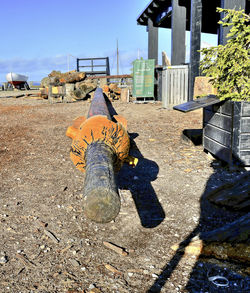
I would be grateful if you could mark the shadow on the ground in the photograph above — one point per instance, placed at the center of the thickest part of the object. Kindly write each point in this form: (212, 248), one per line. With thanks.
(138, 181)
(211, 218)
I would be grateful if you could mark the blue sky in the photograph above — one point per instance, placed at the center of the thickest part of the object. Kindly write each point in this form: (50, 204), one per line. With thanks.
(38, 36)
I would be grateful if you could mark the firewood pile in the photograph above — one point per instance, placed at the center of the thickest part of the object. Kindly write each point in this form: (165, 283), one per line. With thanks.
(74, 86)
(112, 91)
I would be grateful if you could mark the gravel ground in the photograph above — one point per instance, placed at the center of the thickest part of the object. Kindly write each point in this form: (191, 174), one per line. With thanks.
(46, 243)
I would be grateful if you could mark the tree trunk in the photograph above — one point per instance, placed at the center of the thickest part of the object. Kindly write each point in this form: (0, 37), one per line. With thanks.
(102, 202)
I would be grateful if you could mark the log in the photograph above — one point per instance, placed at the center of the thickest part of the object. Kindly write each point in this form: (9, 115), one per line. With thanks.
(83, 89)
(99, 148)
(234, 195)
(67, 77)
(98, 105)
(102, 202)
(235, 232)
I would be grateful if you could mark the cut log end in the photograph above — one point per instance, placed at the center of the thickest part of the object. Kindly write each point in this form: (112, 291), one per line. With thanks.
(102, 205)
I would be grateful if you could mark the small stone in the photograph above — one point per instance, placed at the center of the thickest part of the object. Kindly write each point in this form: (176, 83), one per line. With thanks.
(154, 276)
(91, 286)
(75, 263)
(3, 259)
(130, 274)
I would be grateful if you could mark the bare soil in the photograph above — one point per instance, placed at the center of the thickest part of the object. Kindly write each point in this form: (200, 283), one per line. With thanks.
(47, 244)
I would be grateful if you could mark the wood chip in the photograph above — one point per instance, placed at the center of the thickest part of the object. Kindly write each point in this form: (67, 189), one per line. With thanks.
(113, 269)
(65, 249)
(74, 262)
(115, 248)
(25, 260)
(51, 236)
(194, 248)
(138, 271)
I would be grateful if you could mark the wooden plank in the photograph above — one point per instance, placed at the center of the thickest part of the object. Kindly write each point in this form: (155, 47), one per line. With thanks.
(245, 124)
(245, 141)
(221, 136)
(218, 120)
(217, 149)
(197, 104)
(245, 157)
(246, 109)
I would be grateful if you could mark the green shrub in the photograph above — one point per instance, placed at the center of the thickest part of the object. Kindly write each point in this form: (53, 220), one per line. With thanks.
(229, 65)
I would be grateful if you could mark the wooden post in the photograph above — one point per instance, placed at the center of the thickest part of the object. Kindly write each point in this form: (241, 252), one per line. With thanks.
(178, 34)
(152, 41)
(195, 44)
(228, 4)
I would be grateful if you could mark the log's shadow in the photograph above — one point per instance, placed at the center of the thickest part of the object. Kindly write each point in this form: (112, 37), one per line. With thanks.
(211, 218)
(138, 181)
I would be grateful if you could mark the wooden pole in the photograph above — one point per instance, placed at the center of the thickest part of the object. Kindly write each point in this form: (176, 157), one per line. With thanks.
(102, 202)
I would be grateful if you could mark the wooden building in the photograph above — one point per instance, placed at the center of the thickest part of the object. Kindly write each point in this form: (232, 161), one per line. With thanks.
(196, 16)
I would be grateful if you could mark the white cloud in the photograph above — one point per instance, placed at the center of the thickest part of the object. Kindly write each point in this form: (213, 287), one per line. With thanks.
(35, 68)
(38, 68)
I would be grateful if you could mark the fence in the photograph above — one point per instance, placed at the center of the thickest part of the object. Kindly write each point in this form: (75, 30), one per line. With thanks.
(174, 85)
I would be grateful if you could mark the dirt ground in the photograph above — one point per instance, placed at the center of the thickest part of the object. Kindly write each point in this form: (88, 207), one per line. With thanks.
(47, 244)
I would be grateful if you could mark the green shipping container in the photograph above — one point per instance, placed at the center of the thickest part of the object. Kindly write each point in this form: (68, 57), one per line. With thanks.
(143, 78)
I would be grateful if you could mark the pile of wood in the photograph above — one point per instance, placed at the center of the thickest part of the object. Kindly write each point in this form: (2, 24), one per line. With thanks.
(74, 86)
(112, 91)
(68, 87)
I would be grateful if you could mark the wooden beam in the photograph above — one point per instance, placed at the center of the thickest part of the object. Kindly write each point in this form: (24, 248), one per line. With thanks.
(195, 44)
(228, 4)
(178, 24)
(152, 41)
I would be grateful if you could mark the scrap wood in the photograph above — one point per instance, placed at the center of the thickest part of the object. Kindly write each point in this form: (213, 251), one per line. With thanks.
(25, 260)
(115, 248)
(221, 250)
(51, 236)
(65, 249)
(113, 269)
(138, 271)
(194, 248)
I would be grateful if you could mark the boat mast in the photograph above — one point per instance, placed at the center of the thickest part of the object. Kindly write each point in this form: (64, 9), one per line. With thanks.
(117, 56)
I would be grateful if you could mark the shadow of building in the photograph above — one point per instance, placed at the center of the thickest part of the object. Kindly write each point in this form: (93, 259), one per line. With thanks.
(211, 218)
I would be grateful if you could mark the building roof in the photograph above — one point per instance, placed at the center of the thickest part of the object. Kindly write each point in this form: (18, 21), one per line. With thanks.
(160, 11)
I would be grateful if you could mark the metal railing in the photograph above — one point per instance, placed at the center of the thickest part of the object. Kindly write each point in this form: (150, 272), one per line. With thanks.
(92, 66)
